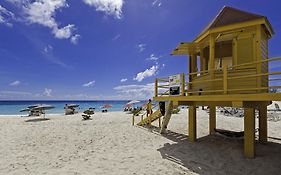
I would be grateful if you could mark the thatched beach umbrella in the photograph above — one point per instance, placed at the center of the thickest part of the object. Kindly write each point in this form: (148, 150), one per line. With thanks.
(133, 102)
(25, 110)
(105, 106)
(43, 108)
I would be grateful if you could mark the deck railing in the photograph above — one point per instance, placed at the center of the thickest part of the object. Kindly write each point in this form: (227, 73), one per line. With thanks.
(162, 84)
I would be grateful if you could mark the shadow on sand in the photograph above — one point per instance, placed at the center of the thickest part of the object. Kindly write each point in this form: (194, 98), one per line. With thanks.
(37, 120)
(215, 154)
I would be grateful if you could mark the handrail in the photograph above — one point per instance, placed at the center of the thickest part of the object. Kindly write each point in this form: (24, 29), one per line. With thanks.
(275, 79)
(238, 65)
(165, 93)
(225, 74)
(204, 81)
(258, 88)
(163, 86)
(208, 91)
(144, 114)
(256, 62)
(255, 75)
(141, 115)
(163, 80)
(204, 71)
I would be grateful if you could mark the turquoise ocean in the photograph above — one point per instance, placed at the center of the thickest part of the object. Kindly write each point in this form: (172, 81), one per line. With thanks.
(14, 107)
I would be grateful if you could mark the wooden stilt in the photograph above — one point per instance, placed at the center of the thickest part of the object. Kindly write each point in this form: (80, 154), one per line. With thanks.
(159, 122)
(133, 120)
(249, 131)
(192, 123)
(263, 124)
(167, 117)
(212, 119)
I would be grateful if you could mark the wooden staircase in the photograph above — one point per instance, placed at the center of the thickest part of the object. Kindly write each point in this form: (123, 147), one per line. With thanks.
(152, 117)
(157, 114)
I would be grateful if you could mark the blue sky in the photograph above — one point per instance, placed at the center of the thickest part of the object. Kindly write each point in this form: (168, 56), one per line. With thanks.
(103, 49)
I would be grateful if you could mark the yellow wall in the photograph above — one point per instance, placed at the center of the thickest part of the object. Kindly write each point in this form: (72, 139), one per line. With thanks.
(232, 84)
(264, 55)
(243, 47)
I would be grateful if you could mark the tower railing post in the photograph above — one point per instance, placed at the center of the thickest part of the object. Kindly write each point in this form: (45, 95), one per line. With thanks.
(156, 87)
(183, 84)
(225, 79)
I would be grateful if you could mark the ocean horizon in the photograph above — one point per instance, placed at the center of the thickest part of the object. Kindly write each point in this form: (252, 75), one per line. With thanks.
(13, 107)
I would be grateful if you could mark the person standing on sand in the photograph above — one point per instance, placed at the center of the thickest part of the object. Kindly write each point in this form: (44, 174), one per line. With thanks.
(149, 109)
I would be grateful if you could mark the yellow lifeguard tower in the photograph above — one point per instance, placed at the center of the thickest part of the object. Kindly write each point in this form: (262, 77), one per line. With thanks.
(228, 66)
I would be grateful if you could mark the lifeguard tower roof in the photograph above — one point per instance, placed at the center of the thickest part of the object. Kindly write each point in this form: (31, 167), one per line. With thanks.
(228, 18)
(230, 15)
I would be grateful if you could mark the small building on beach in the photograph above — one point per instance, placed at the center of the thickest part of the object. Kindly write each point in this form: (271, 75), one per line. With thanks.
(228, 66)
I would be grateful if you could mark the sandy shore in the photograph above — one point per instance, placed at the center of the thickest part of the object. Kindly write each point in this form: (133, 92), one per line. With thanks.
(109, 144)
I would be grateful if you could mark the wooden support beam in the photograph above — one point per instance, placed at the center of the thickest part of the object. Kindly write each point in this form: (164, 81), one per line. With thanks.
(212, 119)
(212, 53)
(263, 124)
(225, 83)
(192, 123)
(193, 65)
(257, 54)
(263, 97)
(183, 84)
(212, 60)
(167, 117)
(190, 71)
(201, 60)
(249, 131)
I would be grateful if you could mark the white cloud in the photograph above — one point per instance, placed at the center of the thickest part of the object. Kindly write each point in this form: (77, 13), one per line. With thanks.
(157, 3)
(110, 7)
(74, 39)
(147, 73)
(14, 93)
(123, 80)
(141, 47)
(43, 12)
(152, 57)
(89, 84)
(22, 95)
(49, 55)
(15, 83)
(64, 32)
(83, 96)
(48, 49)
(17, 1)
(6, 16)
(116, 37)
(145, 91)
(47, 92)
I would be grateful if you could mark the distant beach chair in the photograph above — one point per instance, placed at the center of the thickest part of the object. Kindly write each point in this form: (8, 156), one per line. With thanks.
(104, 110)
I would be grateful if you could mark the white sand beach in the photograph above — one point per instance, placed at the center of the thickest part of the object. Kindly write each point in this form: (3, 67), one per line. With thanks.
(109, 144)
